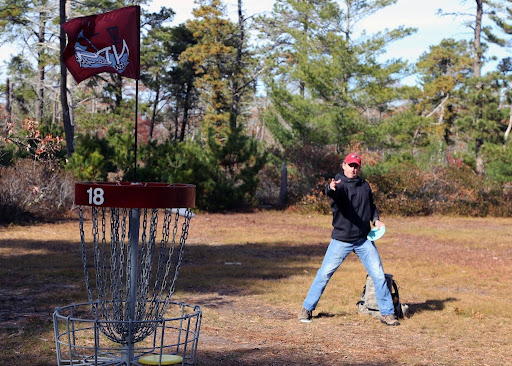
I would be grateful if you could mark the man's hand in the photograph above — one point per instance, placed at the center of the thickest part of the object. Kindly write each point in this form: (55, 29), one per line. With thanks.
(333, 184)
(378, 224)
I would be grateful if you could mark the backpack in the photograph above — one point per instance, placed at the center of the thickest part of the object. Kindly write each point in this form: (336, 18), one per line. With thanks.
(368, 303)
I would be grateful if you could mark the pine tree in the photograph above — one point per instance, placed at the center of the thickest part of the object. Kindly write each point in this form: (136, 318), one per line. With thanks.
(321, 77)
(442, 70)
(225, 75)
(501, 15)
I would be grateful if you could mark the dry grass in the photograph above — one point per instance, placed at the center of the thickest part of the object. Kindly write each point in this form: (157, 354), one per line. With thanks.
(250, 273)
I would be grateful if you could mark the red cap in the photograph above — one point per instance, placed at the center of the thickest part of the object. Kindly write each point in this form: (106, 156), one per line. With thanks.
(353, 159)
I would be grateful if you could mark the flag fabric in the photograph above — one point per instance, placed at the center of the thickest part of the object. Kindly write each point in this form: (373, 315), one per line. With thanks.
(107, 42)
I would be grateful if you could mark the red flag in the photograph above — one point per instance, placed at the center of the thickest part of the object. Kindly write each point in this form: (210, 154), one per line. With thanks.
(108, 42)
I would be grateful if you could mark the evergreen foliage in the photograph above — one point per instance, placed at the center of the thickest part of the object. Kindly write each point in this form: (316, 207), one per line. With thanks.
(324, 89)
(324, 83)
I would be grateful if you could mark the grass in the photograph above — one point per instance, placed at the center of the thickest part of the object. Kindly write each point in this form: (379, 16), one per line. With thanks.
(251, 272)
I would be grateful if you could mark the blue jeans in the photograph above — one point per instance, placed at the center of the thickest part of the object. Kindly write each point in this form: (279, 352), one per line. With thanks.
(336, 253)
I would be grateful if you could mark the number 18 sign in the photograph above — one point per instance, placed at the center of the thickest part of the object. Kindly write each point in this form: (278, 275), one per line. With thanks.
(135, 195)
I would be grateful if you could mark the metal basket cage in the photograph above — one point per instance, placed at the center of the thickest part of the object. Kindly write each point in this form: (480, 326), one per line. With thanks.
(81, 341)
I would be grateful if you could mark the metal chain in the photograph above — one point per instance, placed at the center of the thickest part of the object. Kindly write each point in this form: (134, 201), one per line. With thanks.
(183, 239)
(163, 261)
(116, 282)
(147, 261)
(128, 272)
(102, 257)
(84, 255)
(122, 252)
(142, 259)
(162, 304)
(162, 268)
(169, 263)
(97, 255)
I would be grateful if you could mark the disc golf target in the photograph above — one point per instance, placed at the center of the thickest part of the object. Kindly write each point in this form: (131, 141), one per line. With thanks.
(133, 237)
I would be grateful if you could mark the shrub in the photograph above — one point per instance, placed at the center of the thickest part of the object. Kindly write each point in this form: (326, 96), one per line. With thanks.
(307, 167)
(93, 158)
(190, 162)
(316, 200)
(454, 190)
(401, 190)
(267, 194)
(499, 162)
(31, 191)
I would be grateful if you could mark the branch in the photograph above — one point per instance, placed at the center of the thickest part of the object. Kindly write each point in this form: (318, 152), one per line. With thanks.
(509, 127)
(439, 105)
(251, 79)
(16, 142)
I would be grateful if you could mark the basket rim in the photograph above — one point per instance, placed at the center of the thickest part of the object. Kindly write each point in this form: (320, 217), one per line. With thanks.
(135, 194)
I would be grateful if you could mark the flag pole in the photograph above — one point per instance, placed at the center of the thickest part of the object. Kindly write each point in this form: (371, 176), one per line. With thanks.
(136, 129)
(137, 97)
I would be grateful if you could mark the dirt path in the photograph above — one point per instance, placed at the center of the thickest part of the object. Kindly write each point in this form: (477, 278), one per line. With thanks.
(250, 272)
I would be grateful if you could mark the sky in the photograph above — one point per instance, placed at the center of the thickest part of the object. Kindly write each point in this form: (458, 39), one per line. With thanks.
(422, 14)
(432, 28)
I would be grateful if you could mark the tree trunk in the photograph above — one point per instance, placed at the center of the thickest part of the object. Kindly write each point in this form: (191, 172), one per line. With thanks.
(509, 127)
(118, 89)
(40, 66)
(238, 69)
(69, 129)
(477, 58)
(305, 30)
(153, 115)
(186, 108)
(8, 99)
(477, 68)
(479, 161)
(347, 22)
(283, 192)
(55, 110)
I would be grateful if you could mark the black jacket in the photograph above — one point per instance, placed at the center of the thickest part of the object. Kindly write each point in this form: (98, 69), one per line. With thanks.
(352, 208)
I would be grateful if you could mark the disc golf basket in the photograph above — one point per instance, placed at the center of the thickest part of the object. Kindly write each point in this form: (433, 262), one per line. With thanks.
(131, 263)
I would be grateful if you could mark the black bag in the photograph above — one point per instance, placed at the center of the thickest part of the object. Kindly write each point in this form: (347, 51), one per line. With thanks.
(368, 303)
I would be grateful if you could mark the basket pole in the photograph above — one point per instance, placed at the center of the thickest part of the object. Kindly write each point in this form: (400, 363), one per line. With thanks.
(131, 283)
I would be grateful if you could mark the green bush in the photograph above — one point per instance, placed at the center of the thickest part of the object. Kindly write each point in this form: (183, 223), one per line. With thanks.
(179, 162)
(193, 163)
(92, 160)
(499, 163)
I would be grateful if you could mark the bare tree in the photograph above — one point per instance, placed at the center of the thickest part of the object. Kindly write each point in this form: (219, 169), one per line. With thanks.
(69, 129)
(29, 24)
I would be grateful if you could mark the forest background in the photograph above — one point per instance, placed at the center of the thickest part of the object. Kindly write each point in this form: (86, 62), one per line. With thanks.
(259, 111)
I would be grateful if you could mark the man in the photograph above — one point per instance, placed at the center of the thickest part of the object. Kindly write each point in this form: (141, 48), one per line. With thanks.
(353, 208)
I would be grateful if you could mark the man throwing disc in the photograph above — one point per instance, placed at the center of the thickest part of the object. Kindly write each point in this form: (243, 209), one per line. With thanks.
(353, 208)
